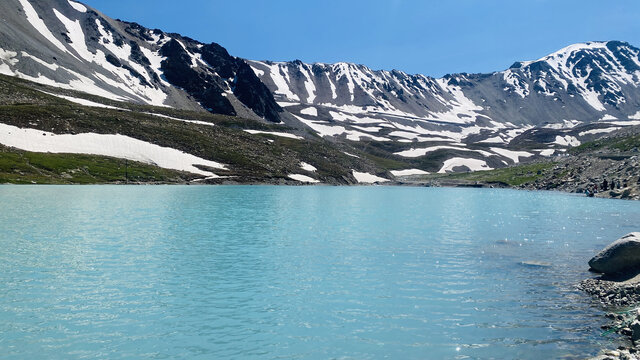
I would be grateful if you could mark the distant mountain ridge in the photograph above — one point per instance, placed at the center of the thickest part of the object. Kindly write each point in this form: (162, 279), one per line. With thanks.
(583, 82)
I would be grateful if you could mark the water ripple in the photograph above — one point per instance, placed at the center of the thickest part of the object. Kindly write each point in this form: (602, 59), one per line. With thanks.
(299, 273)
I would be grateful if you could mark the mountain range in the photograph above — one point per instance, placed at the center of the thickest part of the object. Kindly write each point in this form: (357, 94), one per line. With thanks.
(389, 123)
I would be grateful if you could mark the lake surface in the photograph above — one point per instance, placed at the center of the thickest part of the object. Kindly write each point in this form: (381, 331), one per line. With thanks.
(263, 272)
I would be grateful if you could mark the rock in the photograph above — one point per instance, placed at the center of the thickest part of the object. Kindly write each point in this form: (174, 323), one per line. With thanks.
(635, 331)
(534, 263)
(621, 255)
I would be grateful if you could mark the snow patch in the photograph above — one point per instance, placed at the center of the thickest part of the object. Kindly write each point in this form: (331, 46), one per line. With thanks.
(119, 146)
(408, 172)
(625, 123)
(518, 85)
(412, 153)
(608, 117)
(471, 164)
(79, 7)
(38, 24)
(197, 122)
(156, 63)
(52, 67)
(567, 140)
(324, 129)
(311, 111)
(83, 102)
(287, 103)
(493, 140)
(275, 133)
(8, 56)
(599, 131)
(279, 76)
(7, 59)
(308, 84)
(565, 124)
(258, 72)
(366, 178)
(307, 167)
(75, 33)
(463, 110)
(513, 155)
(302, 178)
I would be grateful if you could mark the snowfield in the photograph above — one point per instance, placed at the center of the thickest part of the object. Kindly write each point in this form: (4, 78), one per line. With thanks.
(513, 155)
(274, 133)
(599, 131)
(567, 140)
(471, 164)
(307, 167)
(84, 102)
(408, 172)
(118, 146)
(303, 178)
(366, 178)
(79, 7)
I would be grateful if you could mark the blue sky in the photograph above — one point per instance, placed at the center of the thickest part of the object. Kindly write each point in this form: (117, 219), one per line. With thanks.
(431, 37)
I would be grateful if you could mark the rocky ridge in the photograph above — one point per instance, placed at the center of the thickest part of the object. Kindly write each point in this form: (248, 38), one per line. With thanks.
(71, 45)
(582, 83)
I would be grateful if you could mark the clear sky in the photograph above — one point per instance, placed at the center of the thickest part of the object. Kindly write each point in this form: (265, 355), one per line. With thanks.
(431, 37)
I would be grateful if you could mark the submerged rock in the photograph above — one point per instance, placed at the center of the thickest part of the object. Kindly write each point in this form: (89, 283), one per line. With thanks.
(621, 255)
(534, 263)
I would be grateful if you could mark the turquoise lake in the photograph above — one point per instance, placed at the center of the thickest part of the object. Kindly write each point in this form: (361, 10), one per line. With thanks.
(266, 272)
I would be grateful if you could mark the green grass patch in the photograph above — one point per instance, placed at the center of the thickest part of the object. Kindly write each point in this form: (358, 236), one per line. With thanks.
(21, 167)
(627, 143)
(512, 176)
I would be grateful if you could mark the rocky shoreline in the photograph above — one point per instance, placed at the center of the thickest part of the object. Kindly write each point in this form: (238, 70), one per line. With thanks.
(618, 291)
(572, 174)
(622, 300)
(594, 172)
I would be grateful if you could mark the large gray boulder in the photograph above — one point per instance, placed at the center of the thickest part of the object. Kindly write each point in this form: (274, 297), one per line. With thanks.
(620, 256)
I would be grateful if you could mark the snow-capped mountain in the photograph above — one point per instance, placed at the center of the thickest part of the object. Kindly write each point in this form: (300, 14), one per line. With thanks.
(583, 83)
(457, 122)
(67, 44)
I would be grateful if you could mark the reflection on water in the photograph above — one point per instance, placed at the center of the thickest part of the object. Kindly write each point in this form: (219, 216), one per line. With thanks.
(261, 272)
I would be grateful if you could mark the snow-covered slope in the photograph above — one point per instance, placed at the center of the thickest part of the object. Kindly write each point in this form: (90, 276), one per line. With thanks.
(70, 45)
(583, 83)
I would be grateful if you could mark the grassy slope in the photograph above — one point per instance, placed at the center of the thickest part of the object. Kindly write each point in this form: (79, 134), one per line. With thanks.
(251, 158)
(617, 143)
(511, 176)
(21, 167)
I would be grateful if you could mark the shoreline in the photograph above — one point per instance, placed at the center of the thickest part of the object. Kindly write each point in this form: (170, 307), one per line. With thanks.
(619, 300)
(293, 183)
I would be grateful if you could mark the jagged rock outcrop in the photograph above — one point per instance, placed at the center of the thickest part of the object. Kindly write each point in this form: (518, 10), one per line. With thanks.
(70, 45)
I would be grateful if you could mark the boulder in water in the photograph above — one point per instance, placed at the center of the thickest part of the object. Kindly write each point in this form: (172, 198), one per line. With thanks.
(620, 256)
